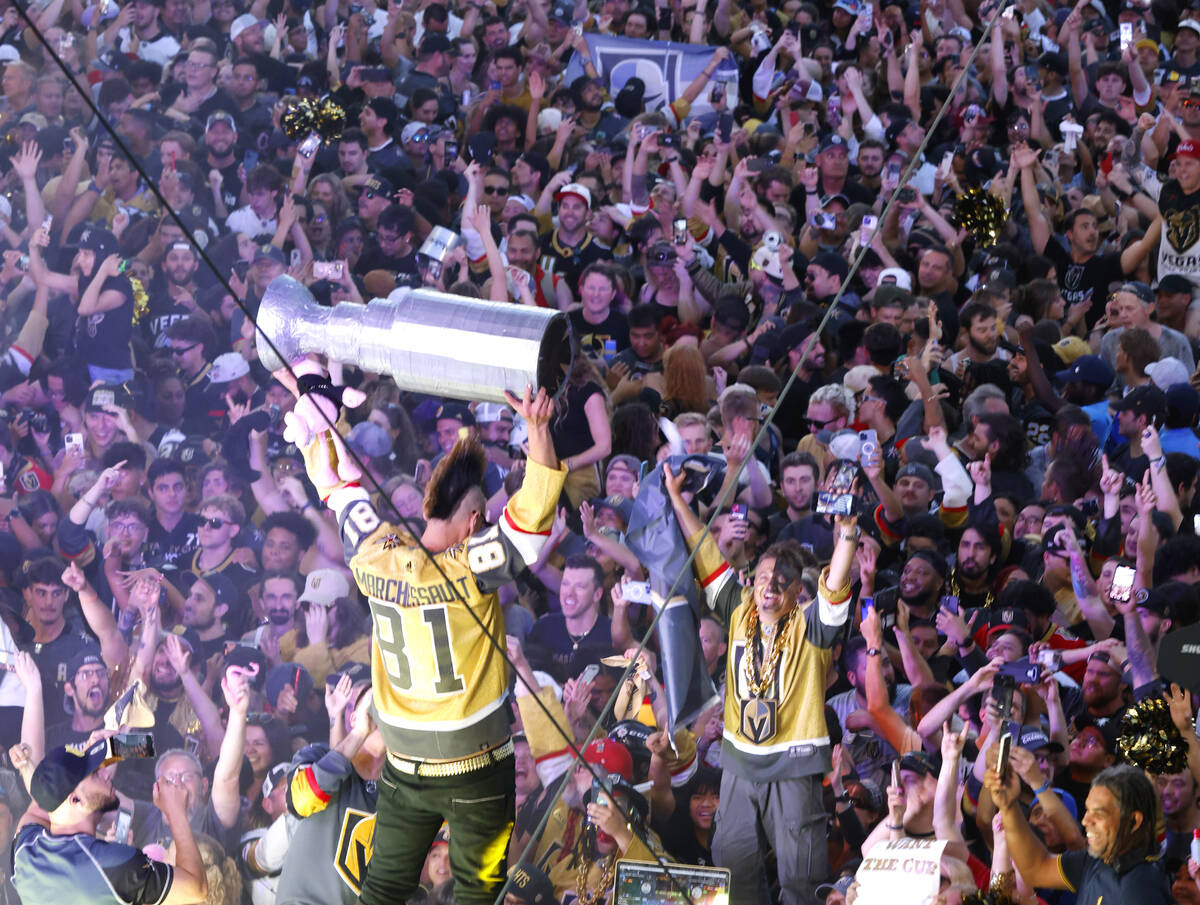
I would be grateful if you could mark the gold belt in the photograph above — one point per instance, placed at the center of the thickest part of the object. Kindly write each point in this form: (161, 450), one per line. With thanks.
(451, 767)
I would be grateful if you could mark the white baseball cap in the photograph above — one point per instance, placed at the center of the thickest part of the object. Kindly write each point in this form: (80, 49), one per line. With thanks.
(579, 191)
(895, 276)
(324, 586)
(227, 367)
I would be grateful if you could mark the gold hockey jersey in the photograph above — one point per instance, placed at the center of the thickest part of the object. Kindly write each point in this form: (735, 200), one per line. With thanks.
(439, 684)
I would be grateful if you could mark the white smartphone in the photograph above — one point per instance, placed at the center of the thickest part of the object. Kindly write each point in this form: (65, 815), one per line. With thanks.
(590, 672)
(1122, 584)
(309, 146)
(74, 441)
(1126, 35)
(869, 222)
(327, 270)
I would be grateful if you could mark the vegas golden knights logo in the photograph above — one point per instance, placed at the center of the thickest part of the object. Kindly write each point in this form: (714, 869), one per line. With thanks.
(758, 720)
(1182, 228)
(355, 844)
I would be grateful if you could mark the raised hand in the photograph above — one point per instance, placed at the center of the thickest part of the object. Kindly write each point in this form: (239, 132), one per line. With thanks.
(337, 697)
(535, 410)
(74, 578)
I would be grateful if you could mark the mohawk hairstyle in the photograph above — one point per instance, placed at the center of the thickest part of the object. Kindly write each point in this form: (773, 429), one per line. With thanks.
(460, 470)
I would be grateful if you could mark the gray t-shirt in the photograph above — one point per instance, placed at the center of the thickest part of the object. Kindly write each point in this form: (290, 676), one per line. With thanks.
(1173, 344)
(871, 753)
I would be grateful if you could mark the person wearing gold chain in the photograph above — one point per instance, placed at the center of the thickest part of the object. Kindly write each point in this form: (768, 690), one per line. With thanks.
(776, 744)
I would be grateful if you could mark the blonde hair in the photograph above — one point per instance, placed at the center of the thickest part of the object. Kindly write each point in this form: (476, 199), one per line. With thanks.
(221, 872)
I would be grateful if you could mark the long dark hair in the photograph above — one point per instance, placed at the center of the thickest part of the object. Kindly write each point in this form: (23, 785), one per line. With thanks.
(1134, 793)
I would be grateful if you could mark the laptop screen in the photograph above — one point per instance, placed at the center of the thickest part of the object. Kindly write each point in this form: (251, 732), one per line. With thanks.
(647, 883)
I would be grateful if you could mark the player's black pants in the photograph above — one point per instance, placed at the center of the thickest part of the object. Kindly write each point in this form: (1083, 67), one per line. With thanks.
(479, 807)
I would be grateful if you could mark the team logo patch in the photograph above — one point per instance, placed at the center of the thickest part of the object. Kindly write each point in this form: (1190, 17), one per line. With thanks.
(758, 719)
(390, 541)
(354, 848)
(29, 482)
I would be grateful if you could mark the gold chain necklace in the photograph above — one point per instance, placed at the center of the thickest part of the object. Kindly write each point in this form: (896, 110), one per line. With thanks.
(583, 894)
(758, 682)
(988, 598)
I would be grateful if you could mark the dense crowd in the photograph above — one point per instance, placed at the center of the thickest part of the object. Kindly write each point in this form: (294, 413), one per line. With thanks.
(949, 462)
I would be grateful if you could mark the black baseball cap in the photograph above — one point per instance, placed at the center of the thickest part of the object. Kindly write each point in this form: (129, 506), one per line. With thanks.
(95, 239)
(1148, 401)
(530, 884)
(62, 769)
(456, 411)
(920, 762)
(1173, 283)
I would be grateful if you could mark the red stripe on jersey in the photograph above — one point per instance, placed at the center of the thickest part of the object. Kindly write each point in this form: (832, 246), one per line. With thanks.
(724, 567)
(508, 518)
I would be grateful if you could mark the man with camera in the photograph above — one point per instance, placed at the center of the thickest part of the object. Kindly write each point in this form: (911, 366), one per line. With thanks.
(57, 857)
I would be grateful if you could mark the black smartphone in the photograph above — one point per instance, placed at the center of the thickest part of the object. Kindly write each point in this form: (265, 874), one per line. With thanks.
(664, 19)
(249, 161)
(1003, 688)
(950, 604)
(451, 152)
(725, 127)
(906, 195)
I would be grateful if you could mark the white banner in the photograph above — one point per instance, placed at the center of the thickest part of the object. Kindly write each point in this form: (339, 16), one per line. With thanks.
(665, 67)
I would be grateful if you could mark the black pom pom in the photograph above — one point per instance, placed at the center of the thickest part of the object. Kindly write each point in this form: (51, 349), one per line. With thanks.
(330, 120)
(298, 119)
(1150, 739)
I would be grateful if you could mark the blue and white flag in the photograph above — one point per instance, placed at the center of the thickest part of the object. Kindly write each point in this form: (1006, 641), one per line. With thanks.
(665, 67)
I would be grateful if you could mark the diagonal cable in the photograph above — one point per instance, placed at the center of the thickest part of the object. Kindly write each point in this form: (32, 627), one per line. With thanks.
(260, 337)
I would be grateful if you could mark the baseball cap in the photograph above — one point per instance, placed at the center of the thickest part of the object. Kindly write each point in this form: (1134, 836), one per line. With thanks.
(1032, 738)
(190, 451)
(612, 756)
(274, 777)
(1088, 369)
(579, 191)
(1174, 282)
(1109, 729)
(62, 769)
(86, 656)
(411, 131)
(107, 394)
(269, 253)
(621, 505)
(1187, 148)
(224, 590)
(832, 263)
(833, 140)
(455, 411)
(356, 670)
(378, 185)
(1166, 372)
(10, 54)
(531, 885)
(624, 460)
(1148, 401)
(1071, 348)
(840, 885)
(1189, 23)
(96, 239)
(369, 439)
(241, 23)
(895, 276)
(1055, 62)
(250, 658)
(920, 762)
(562, 13)
(227, 367)
(1008, 619)
(220, 116)
(324, 586)
(34, 119)
(491, 412)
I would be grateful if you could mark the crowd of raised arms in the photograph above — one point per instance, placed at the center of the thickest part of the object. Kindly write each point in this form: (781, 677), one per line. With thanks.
(887, 321)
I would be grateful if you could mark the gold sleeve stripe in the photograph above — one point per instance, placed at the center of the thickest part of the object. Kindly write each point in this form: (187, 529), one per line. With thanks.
(1063, 874)
(307, 796)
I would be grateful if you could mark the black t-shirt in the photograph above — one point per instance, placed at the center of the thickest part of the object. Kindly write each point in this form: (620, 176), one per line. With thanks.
(102, 339)
(593, 336)
(570, 432)
(52, 658)
(570, 260)
(1087, 281)
(550, 634)
(173, 548)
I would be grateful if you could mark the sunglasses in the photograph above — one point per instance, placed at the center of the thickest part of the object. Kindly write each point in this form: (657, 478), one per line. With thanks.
(494, 190)
(183, 350)
(818, 424)
(213, 522)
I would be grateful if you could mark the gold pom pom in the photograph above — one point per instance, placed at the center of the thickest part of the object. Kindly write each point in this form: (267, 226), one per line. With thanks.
(1150, 739)
(141, 301)
(298, 119)
(981, 214)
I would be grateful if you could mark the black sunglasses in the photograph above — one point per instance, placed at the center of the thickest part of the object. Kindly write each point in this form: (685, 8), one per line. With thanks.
(213, 522)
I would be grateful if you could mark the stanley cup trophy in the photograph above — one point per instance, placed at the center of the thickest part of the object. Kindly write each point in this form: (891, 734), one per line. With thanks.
(427, 341)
